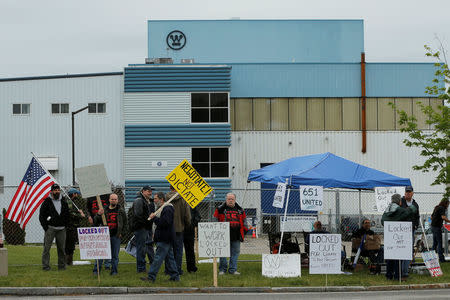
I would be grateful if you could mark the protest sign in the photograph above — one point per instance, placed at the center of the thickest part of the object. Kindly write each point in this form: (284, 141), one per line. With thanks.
(278, 198)
(383, 196)
(214, 239)
(188, 183)
(325, 254)
(93, 181)
(311, 198)
(398, 240)
(431, 261)
(297, 223)
(94, 242)
(281, 265)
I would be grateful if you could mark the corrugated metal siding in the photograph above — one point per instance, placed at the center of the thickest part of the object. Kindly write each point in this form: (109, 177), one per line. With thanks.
(98, 137)
(385, 152)
(157, 108)
(138, 161)
(177, 135)
(177, 78)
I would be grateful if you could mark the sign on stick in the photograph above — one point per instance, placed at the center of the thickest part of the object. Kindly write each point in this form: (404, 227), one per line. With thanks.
(94, 242)
(214, 239)
(383, 196)
(325, 254)
(297, 223)
(93, 180)
(311, 197)
(278, 198)
(188, 183)
(281, 265)
(398, 240)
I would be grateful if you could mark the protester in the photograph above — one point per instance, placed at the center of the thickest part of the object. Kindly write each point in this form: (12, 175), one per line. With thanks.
(407, 201)
(317, 229)
(116, 219)
(368, 239)
(189, 240)
(164, 238)
(231, 212)
(76, 216)
(142, 207)
(54, 216)
(181, 219)
(437, 219)
(394, 212)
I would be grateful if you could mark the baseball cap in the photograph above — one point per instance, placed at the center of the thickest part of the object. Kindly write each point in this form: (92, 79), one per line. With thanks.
(73, 191)
(147, 188)
(409, 188)
(55, 186)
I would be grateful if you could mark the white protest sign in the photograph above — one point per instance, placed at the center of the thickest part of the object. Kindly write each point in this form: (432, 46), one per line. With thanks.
(281, 265)
(278, 198)
(297, 223)
(214, 239)
(93, 181)
(383, 196)
(325, 254)
(94, 242)
(311, 197)
(431, 261)
(398, 240)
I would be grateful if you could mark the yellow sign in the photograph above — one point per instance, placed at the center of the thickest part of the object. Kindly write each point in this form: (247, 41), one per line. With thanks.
(188, 183)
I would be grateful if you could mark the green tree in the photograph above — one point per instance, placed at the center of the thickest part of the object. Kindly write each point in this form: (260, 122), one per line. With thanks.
(435, 143)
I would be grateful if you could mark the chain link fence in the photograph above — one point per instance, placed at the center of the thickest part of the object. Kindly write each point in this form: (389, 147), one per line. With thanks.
(343, 212)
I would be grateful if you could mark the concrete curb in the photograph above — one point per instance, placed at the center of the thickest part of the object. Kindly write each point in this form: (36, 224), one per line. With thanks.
(52, 291)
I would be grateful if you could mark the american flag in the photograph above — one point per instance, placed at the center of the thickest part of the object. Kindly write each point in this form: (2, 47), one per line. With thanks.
(32, 191)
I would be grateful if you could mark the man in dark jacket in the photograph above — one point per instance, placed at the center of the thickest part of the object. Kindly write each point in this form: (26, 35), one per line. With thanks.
(76, 216)
(407, 201)
(231, 212)
(189, 240)
(142, 207)
(54, 216)
(116, 219)
(164, 238)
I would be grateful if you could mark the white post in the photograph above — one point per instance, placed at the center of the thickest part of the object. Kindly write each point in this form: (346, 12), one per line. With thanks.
(284, 217)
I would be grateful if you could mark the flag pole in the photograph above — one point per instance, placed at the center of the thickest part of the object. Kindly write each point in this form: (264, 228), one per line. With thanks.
(48, 173)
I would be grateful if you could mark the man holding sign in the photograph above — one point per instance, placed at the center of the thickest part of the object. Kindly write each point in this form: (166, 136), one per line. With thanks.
(231, 212)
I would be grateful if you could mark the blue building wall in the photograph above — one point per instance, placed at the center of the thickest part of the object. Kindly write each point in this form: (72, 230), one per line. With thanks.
(236, 41)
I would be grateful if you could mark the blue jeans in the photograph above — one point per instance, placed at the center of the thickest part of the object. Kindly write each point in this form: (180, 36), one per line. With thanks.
(406, 263)
(143, 248)
(437, 242)
(178, 251)
(114, 261)
(164, 251)
(235, 249)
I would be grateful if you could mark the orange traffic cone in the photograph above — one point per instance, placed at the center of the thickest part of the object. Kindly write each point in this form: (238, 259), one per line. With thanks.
(254, 233)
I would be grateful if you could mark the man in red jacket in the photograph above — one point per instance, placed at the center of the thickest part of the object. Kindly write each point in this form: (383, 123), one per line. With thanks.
(232, 213)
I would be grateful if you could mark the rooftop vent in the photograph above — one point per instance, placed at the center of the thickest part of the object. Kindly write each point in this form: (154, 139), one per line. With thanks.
(159, 60)
(187, 60)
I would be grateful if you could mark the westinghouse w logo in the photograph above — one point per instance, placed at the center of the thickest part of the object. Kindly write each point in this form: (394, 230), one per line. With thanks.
(176, 40)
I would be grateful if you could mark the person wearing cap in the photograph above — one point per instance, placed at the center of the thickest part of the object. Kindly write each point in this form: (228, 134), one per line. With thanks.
(407, 201)
(437, 219)
(54, 216)
(142, 207)
(76, 216)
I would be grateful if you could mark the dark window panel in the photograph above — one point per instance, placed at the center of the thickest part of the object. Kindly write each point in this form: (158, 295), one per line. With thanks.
(16, 109)
(219, 170)
(55, 108)
(25, 109)
(200, 100)
(101, 108)
(200, 115)
(202, 169)
(219, 100)
(200, 155)
(92, 108)
(219, 154)
(219, 115)
(65, 108)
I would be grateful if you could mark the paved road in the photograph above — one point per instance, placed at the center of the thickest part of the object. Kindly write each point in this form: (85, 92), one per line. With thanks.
(391, 295)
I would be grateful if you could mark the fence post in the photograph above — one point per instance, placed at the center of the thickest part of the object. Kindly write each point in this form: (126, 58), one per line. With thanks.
(338, 211)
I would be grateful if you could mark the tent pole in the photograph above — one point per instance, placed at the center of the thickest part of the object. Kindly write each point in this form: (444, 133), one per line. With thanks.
(284, 217)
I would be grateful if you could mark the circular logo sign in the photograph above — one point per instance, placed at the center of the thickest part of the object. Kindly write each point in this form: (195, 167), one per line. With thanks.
(176, 40)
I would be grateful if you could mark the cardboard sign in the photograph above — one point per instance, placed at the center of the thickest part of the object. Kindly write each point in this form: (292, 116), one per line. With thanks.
(325, 254)
(398, 243)
(311, 197)
(214, 239)
(383, 196)
(281, 265)
(278, 198)
(297, 223)
(188, 183)
(93, 181)
(94, 242)
(431, 261)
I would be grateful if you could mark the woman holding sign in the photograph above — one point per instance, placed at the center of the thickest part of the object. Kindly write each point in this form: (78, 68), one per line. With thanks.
(437, 219)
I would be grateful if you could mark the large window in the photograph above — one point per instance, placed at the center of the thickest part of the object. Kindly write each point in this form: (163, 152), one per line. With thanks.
(209, 107)
(97, 108)
(211, 162)
(60, 108)
(21, 109)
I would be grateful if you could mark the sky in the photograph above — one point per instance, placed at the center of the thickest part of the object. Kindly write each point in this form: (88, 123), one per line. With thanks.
(54, 37)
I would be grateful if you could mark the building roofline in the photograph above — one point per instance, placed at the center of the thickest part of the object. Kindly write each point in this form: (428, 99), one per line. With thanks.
(61, 76)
